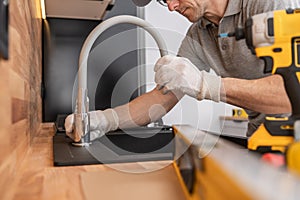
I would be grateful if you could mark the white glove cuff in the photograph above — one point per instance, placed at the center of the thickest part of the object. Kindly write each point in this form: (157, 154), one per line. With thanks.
(211, 87)
(112, 118)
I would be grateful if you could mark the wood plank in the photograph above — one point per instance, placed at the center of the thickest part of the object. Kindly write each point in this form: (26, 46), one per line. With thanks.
(19, 109)
(20, 102)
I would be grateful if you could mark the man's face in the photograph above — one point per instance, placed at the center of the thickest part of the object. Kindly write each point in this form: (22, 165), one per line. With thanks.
(193, 10)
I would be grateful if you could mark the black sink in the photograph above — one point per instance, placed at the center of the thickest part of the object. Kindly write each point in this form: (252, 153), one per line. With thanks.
(131, 145)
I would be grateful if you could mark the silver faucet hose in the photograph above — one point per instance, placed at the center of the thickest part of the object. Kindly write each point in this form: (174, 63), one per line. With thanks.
(82, 73)
(82, 117)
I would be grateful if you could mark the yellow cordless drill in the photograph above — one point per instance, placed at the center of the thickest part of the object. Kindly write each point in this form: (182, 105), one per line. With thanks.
(275, 38)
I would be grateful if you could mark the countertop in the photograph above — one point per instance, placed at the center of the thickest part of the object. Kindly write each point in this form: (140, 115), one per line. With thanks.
(39, 179)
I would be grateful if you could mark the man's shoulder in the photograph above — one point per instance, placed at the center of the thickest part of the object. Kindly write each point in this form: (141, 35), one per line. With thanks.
(258, 6)
(194, 29)
(198, 26)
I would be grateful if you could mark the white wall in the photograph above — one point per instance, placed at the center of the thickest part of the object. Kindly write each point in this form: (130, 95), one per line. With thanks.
(203, 115)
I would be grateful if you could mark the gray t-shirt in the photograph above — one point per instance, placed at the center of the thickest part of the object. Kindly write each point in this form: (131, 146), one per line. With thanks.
(226, 56)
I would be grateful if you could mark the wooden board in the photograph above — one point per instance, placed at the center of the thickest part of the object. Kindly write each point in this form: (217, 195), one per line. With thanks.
(162, 184)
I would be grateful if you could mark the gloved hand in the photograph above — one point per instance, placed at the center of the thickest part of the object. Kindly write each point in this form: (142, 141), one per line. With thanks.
(101, 122)
(179, 74)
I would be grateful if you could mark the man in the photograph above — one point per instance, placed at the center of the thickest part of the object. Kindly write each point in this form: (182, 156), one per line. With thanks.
(239, 81)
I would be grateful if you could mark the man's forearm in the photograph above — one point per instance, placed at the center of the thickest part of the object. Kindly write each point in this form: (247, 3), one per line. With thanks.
(266, 95)
(146, 108)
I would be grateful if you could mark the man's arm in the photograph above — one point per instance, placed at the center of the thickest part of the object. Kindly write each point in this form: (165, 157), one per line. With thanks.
(141, 111)
(266, 95)
(146, 108)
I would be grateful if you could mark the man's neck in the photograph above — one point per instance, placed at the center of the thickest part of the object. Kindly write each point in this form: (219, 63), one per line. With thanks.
(216, 11)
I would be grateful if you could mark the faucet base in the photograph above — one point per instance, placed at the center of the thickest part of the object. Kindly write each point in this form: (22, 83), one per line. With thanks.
(81, 144)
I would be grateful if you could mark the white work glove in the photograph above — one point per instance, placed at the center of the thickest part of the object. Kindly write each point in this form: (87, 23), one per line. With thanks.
(179, 74)
(101, 122)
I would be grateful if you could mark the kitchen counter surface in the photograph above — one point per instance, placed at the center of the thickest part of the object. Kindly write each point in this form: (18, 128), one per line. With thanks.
(39, 179)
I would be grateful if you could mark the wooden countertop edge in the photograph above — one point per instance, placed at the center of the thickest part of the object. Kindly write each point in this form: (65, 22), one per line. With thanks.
(39, 179)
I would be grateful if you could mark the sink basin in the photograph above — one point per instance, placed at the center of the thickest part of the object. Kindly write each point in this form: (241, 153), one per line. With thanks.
(132, 145)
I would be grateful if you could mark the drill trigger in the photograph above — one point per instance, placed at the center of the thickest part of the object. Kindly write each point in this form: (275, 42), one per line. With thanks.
(268, 63)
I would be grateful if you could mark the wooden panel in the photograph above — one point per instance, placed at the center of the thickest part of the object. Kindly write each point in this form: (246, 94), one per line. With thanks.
(5, 146)
(19, 110)
(5, 99)
(158, 184)
(20, 80)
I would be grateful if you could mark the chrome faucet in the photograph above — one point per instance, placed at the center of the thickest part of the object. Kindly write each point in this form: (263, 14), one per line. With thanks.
(82, 119)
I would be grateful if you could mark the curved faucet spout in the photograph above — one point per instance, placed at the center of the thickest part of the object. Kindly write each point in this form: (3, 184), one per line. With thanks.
(82, 121)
